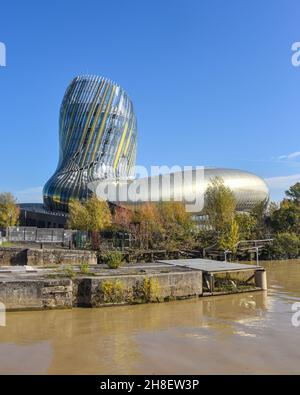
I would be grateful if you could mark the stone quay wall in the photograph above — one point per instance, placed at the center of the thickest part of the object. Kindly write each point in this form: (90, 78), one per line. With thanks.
(131, 289)
(36, 294)
(46, 256)
(58, 293)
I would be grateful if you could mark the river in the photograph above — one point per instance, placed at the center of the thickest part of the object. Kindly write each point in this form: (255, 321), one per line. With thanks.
(249, 333)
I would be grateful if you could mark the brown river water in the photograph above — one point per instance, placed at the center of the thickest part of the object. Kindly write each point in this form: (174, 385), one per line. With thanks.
(249, 333)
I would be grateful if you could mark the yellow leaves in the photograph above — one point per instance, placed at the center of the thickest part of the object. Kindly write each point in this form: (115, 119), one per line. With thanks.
(9, 211)
(150, 289)
(99, 216)
(230, 238)
(220, 204)
(94, 215)
(78, 218)
(112, 291)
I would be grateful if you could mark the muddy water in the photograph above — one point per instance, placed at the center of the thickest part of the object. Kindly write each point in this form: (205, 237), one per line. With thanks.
(245, 333)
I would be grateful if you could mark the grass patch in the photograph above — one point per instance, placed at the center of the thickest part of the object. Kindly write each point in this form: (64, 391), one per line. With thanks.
(69, 272)
(84, 268)
(113, 259)
(7, 244)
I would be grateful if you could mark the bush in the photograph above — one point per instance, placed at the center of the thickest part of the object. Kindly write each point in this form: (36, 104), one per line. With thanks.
(150, 289)
(146, 291)
(113, 259)
(84, 268)
(112, 291)
(69, 272)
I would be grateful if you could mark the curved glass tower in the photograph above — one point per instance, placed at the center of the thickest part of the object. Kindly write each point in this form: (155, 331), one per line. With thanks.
(97, 139)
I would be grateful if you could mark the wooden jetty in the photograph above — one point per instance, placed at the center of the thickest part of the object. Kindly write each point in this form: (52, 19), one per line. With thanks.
(210, 268)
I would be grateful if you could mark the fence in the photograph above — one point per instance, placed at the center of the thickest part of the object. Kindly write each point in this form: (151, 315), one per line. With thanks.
(74, 238)
(39, 235)
(104, 240)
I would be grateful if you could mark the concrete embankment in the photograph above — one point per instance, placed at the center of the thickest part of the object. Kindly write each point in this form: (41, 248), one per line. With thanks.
(28, 288)
(45, 256)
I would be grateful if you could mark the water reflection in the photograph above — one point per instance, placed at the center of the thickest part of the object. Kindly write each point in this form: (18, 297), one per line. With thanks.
(228, 334)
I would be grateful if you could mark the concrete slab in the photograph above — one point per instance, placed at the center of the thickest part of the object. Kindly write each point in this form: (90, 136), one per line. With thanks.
(210, 266)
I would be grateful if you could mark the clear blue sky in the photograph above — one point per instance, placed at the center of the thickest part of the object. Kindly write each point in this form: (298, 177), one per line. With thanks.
(211, 80)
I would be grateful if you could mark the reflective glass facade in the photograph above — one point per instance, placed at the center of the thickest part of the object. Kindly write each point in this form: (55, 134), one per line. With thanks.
(97, 139)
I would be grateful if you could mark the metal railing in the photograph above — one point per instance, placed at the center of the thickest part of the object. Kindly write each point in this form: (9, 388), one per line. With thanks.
(253, 246)
(39, 235)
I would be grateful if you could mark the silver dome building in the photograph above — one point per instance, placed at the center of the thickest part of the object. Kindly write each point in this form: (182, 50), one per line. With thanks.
(249, 189)
(186, 186)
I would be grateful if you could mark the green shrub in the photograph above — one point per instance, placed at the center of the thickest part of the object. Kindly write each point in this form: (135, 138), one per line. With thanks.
(69, 272)
(147, 290)
(112, 291)
(84, 268)
(113, 259)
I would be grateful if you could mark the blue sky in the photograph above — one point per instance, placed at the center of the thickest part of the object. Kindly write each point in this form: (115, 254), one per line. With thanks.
(211, 80)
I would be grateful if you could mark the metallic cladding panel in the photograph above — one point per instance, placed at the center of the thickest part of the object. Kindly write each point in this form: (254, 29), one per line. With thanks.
(98, 141)
(248, 189)
(97, 132)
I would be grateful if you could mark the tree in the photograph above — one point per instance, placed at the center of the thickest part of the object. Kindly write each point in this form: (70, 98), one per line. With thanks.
(99, 215)
(178, 226)
(294, 193)
(122, 218)
(93, 215)
(148, 213)
(247, 225)
(78, 216)
(220, 205)
(259, 212)
(165, 224)
(148, 227)
(9, 211)
(286, 218)
(272, 206)
(230, 239)
(284, 221)
(286, 245)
